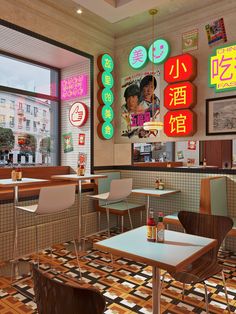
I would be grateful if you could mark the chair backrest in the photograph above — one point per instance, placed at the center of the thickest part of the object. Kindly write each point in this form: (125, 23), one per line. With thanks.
(104, 183)
(213, 197)
(209, 226)
(54, 297)
(120, 189)
(55, 198)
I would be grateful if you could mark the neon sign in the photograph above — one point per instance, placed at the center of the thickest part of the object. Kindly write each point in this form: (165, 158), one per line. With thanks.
(106, 130)
(138, 57)
(158, 51)
(78, 114)
(180, 68)
(180, 95)
(73, 87)
(180, 123)
(105, 63)
(222, 68)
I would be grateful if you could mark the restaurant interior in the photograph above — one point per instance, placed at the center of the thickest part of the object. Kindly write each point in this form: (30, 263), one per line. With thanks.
(117, 156)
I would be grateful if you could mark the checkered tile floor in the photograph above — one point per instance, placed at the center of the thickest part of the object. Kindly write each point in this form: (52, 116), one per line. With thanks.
(127, 287)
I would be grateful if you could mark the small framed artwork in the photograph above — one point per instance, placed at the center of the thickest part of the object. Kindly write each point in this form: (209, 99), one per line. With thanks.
(81, 139)
(221, 115)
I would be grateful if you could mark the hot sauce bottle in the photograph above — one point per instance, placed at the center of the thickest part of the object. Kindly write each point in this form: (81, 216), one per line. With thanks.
(151, 227)
(160, 234)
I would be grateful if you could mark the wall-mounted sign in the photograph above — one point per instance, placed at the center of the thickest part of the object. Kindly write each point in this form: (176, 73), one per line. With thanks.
(181, 95)
(216, 31)
(180, 68)
(158, 51)
(78, 114)
(81, 140)
(74, 87)
(222, 68)
(180, 123)
(105, 63)
(105, 96)
(138, 57)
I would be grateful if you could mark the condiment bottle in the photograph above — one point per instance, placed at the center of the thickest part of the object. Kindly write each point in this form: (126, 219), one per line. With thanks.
(151, 227)
(13, 174)
(81, 170)
(157, 184)
(204, 162)
(18, 174)
(78, 170)
(161, 185)
(160, 229)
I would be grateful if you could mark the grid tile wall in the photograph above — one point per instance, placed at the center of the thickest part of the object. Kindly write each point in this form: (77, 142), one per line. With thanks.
(71, 158)
(187, 199)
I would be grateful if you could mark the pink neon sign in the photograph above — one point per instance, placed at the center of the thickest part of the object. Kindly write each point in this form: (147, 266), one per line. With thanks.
(75, 86)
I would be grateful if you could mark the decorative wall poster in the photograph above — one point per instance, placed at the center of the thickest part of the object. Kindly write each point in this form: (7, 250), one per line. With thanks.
(180, 155)
(67, 142)
(190, 40)
(81, 139)
(216, 32)
(138, 106)
(192, 145)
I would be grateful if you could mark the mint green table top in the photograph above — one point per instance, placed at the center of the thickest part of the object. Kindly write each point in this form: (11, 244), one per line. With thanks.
(178, 250)
(154, 192)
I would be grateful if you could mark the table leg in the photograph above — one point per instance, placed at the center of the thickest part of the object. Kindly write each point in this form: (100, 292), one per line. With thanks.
(156, 291)
(148, 205)
(14, 271)
(80, 213)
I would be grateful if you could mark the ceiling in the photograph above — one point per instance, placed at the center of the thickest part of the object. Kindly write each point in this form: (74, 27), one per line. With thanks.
(23, 45)
(126, 15)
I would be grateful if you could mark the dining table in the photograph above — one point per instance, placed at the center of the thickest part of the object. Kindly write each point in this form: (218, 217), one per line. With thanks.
(151, 192)
(177, 251)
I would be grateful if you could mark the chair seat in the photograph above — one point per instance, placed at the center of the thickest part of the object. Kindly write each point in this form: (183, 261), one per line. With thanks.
(101, 197)
(30, 208)
(198, 272)
(121, 208)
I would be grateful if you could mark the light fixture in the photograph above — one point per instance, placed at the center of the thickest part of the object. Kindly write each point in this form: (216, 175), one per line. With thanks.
(153, 126)
(79, 11)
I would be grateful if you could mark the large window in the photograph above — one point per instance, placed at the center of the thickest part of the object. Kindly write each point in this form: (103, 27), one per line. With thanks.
(28, 123)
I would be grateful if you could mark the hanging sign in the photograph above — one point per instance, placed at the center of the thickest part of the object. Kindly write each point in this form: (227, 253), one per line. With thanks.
(74, 87)
(158, 51)
(105, 96)
(180, 123)
(181, 95)
(138, 57)
(180, 68)
(222, 68)
(78, 114)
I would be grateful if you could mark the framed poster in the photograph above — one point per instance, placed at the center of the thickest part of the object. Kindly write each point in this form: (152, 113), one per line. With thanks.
(221, 115)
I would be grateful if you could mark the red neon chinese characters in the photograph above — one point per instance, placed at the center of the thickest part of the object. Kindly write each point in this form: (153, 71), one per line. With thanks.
(180, 96)
(180, 123)
(180, 68)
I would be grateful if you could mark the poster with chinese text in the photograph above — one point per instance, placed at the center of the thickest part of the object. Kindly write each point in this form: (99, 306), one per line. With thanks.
(140, 103)
(190, 40)
(216, 32)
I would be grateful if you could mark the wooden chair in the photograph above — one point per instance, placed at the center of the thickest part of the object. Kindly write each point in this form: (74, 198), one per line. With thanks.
(210, 226)
(54, 297)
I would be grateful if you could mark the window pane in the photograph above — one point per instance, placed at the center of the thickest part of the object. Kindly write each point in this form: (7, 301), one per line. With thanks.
(28, 130)
(26, 76)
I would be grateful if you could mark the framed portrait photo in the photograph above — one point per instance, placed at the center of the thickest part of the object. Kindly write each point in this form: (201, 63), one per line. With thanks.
(221, 115)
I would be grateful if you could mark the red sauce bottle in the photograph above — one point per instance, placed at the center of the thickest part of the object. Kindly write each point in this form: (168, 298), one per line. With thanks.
(151, 227)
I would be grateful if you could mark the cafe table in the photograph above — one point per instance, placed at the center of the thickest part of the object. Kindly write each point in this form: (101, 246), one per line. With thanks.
(9, 183)
(177, 251)
(79, 179)
(154, 193)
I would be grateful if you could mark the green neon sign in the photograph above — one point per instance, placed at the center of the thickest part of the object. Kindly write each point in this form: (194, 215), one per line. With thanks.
(107, 97)
(158, 51)
(138, 57)
(107, 79)
(107, 62)
(107, 113)
(107, 130)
